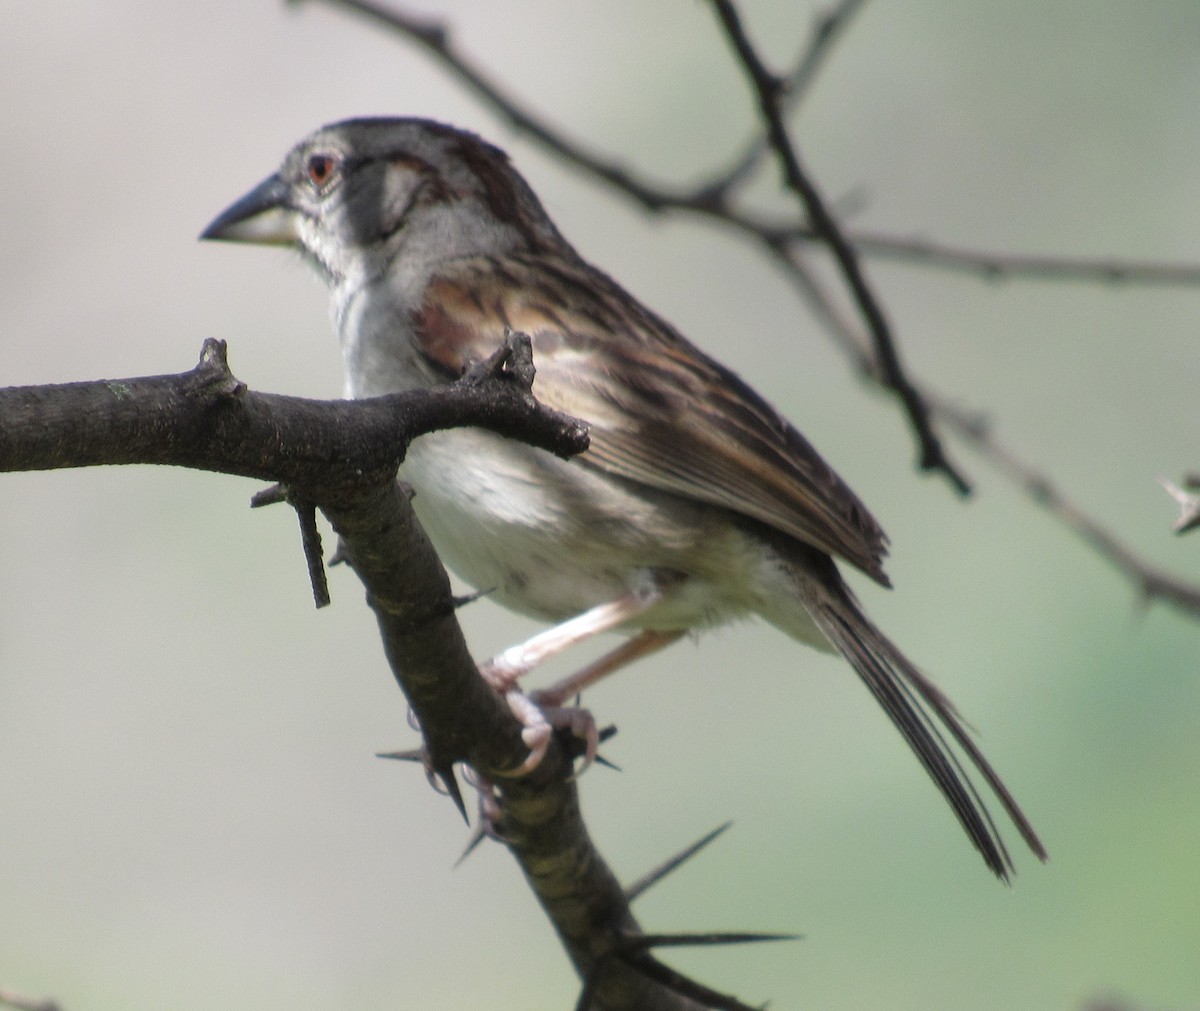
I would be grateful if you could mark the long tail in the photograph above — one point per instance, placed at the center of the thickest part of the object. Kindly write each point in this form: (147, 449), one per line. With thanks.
(918, 709)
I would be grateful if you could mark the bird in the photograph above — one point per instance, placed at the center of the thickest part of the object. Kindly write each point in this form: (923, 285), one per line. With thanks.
(696, 502)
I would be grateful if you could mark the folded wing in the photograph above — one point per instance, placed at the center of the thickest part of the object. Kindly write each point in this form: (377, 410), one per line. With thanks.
(660, 411)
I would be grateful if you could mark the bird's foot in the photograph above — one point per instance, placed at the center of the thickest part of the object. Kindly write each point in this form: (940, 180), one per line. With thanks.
(541, 719)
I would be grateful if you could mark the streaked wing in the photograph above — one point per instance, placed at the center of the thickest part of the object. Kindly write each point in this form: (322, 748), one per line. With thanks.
(660, 411)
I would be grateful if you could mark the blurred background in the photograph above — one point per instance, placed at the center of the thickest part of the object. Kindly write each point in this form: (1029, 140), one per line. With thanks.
(191, 815)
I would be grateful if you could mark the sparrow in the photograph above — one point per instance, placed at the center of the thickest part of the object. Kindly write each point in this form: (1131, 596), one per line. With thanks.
(696, 502)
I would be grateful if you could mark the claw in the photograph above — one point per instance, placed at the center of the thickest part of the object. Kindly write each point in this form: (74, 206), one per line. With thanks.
(541, 722)
(489, 811)
(581, 724)
(500, 673)
(537, 732)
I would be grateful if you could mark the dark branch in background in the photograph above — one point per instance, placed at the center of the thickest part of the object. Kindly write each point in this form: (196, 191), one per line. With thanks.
(434, 37)
(341, 457)
(1153, 583)
(711, 198)
(826, 30)
(975, 430)
(768, 89)
(997, 266)
(784, 243)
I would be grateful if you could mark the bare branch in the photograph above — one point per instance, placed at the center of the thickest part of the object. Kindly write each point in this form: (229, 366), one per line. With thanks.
(341, 457)
(207, 420)
(768, 90)
(1152, 583)
(708, 199)
(827, 29)
(435, 39)
(998, 266)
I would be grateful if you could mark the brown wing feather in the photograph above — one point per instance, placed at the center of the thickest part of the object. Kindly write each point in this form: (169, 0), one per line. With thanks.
(660, 411)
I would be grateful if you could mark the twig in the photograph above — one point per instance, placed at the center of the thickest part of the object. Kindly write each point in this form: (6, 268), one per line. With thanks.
(342, 456)
(767, 88)
(310, 540)
(1152, 583)
(997, 266)
(435, 38)
(827, 28)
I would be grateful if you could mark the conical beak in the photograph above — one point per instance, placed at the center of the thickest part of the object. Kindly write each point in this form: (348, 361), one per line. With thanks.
(263, 215)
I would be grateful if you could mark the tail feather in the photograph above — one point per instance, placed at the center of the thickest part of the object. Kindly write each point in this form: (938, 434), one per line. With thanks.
(920, 712)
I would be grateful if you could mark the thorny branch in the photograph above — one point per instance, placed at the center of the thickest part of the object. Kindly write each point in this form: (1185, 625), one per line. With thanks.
(785, 241)
(341, 457)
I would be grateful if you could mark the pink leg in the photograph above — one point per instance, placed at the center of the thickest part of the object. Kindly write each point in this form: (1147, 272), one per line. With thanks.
(543, 711)
(642, 644)
(503, 670)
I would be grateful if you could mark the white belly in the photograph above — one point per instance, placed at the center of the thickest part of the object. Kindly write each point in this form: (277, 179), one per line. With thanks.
(552, 538)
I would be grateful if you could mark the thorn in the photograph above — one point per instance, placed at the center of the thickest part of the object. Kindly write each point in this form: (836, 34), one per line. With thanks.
(601, 760)
(450, 788)
(273, 495)
(470, 598)
(648, 881)
(310, 540)
(340, 555)
(665, 976)
(645, 942)
(310, 536)
(477, 836)
(410, 755)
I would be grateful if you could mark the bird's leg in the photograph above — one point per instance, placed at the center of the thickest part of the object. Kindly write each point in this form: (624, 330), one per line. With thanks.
(504, 669)
(544, 712)
(643, 644)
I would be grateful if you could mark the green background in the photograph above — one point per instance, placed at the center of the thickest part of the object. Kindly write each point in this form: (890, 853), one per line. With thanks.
(190, 813)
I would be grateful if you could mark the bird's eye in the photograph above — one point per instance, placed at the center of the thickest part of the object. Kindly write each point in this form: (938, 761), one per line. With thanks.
(321, 169)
